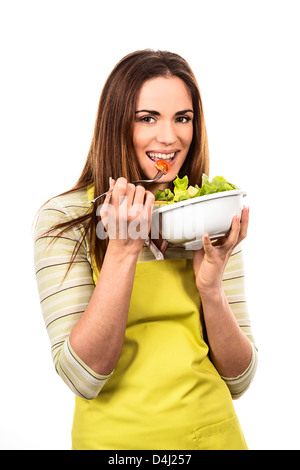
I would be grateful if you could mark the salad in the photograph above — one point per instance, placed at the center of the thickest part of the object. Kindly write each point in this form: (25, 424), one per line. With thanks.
(183, 191)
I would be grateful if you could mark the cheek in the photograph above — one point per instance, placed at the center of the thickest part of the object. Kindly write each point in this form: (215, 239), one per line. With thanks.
(185, 133)
(190, 136)
(186, 139)
(140, 139)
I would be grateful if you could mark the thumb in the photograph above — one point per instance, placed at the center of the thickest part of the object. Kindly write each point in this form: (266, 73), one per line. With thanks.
(207, 246)
(112, 182)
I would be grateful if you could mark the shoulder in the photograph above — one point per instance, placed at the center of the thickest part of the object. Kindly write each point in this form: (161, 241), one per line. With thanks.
(73, 204)
(70, 205)
(60, 209)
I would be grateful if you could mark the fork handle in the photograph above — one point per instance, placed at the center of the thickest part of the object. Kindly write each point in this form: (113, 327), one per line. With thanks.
(101, 195)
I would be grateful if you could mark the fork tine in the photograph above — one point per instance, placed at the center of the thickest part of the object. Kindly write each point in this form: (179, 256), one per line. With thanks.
(157, 176)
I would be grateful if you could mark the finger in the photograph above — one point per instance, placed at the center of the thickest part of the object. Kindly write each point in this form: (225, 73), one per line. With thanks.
(103, 209)
(139, 195)
(207, 246)
(112, 183)
(149, 203)
(119, 191)
(233, 234)
(141, 204)
(130, 193)
(244, 223)
(146, 207)
(149, 199)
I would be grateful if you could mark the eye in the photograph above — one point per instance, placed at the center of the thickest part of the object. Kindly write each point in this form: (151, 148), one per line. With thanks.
(147, 119)
(183, 119)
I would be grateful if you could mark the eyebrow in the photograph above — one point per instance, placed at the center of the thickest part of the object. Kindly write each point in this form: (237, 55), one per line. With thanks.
(156, 113)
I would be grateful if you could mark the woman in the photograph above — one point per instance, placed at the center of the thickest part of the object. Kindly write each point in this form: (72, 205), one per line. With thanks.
(154, 340)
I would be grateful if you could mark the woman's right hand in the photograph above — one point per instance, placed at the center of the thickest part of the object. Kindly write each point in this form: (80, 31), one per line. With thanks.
(126, 215)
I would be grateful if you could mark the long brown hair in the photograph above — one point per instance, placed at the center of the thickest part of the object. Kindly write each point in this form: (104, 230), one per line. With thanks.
(112, 153)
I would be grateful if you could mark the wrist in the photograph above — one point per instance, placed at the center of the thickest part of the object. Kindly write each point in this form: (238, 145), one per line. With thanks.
(119, 249)
(211, 293)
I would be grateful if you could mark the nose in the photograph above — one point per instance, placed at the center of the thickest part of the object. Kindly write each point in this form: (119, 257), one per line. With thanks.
(166, 133)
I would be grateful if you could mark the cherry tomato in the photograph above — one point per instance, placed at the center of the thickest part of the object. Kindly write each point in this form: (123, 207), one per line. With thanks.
(161, 164)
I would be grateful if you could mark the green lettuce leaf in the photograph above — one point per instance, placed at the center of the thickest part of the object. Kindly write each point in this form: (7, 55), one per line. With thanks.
(222, 183)
(166, 195)
(207, 186)
(217, 184)
(180, 188)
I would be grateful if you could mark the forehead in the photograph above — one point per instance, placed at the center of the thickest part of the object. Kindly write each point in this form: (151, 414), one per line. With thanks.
(160, 92)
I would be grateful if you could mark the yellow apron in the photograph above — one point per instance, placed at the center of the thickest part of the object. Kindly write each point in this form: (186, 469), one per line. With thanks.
(164, 393)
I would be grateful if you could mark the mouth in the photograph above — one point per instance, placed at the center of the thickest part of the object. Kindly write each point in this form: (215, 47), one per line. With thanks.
(168, 157)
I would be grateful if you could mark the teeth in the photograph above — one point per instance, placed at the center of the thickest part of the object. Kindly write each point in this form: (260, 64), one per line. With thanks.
(163, 156)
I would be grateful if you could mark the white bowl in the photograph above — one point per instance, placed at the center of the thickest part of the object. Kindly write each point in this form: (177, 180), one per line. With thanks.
(185, 223)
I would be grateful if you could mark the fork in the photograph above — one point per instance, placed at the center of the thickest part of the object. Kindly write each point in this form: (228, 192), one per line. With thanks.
(158, 175)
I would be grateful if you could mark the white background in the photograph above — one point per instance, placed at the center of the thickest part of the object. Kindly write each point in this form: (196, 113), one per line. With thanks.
(55, 57)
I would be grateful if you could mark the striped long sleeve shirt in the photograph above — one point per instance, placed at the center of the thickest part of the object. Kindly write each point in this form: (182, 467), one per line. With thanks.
(64, 298)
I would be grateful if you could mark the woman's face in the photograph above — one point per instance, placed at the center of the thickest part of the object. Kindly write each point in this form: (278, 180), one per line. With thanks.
(163, 127)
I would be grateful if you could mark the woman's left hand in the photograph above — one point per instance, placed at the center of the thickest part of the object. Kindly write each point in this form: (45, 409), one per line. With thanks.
(210, 261)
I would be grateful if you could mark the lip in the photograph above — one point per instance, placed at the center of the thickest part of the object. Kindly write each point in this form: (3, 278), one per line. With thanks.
(164, 152)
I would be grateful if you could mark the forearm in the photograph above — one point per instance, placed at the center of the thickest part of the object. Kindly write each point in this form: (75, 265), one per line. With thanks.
(97, 338)
(230, 349)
